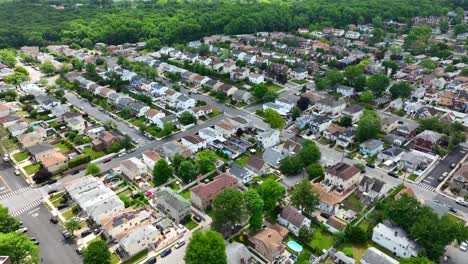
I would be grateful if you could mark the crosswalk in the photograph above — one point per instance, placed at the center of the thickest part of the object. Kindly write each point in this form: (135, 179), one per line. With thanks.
(427, 186)
(27, 208)
(16, 192)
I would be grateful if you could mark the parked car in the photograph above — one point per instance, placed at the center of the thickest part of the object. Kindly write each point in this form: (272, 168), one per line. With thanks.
(179, 243)
(463, 246)
(62, 206)
(79, 250)
(66, 234)
(34, 240)
(445, 174)
(5, 158)
(22, 230)
(453, 165)
(461, 201)
(452, 209)
(51, 191)
(391, 173)
(370, 165)
(51, 181)
(86, 233)
(17, 173)
(54, 220)
(166, 252)
(181, 228)
(197, 218)
(122, 154)
(151, 260)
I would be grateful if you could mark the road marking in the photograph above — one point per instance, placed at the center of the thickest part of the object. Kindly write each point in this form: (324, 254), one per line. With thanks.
(26, 208)
(33, 210)
(6, 184)
(10, 194)
(426, 186)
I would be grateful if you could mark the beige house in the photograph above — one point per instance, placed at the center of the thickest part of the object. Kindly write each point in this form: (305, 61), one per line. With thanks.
(54, 162)
(121, 221)
(203, 194)
(269, 241)
(342, 176)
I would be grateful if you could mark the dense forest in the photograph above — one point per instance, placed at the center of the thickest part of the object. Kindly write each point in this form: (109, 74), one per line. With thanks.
(35, 22)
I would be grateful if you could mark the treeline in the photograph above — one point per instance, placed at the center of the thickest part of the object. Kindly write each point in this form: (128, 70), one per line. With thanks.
(26, 23)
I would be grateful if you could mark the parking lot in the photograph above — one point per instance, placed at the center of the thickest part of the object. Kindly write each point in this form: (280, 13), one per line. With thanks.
(455, 255)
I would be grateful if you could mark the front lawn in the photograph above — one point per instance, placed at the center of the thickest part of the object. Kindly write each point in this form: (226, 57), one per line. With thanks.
(20, 156)
(63, 147)
(412, 177)
(274, 88)
(190, 224)
(114, 258)
(69, 214)
(300, 82)
(32, 168)
(321, 239)
(139, 122)
(93, 154)
(137, 258)
(174, 186)
(185, 194)
(215, 113)
(242, 160)
(455, 219)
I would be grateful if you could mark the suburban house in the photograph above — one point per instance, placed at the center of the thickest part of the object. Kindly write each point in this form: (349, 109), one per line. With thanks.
(330, 105)
(104, 140)
(194, 143)
(203, 194)
(373, 255)
(9, 120)
(76, 123)
(133, 168)
(299, 73)
(5, 109)
(389, 122)
(332, 132)
(354, 111)
(257, 165)
(269, 138)
(407, 128)
(346, 138)
(292, 219)
(137, 238)
(153, 115)
(426, 140)
(18, 128)
(226, 128)
(242, 96)
(273, 157)
(319, 123)
(93, 197)
(342, 176)
(241, 173)
(54, 162)
(371, 189)
(42, 150)
(269, 241)
(371, 147)
(150, 157)
(172, 204)
(460, 180)
(256, 78)
(120, 222)
(29, 139)
(200, 111)
(392, 153)
(238, 253)
(345, 90)
(211, 135)
(172, 148)
(289, 148)
(394, 239)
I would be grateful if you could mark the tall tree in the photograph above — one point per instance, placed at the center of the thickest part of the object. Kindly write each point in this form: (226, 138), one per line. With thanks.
(72, 225)
(303, 103)
(19, 248)
(206, 247)
(8, 223)
(93, 169)
(355, 77)
(229, 208)
(254, 204)
(270, 191)
(401, 90)
(188, 170)
(304, 196)
(369, 126)
(47, 68)
(314, 170)
(309, 153)
(97, 252)
(274, 119)
(378, 83)
(162, 171)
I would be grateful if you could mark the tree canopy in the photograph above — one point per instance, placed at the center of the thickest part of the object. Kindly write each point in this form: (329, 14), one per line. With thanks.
(229, 208)
(97, 253)
(206, 247)
(162, 171)
(8, 223)
(19, 248)
(368, 126)
(304, 196)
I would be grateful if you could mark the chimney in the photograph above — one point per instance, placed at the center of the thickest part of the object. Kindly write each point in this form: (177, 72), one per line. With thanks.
(269, 235)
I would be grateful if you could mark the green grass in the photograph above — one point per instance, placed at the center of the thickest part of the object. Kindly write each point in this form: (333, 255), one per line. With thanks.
(138, 121)
(20, 156)
(455, 218)
(174, 186)
(274, 88)
(32, 168)
(114, 258)
(56, 196)
(185, 194)
(63, 148)
(137, 258)
(353, 203)
(57, 202)
(190, 224)
(242, 160)
(321, 239)
(93, 153)
(412, 177)
(68, 214)
(300, 82)
(215, 113)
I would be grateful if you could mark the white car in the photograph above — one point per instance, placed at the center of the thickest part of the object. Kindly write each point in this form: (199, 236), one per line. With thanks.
(180, 243)
(445, 174)
(22, 230)
(5, 158)
(463, 246)
(17, 173)
(122, 154)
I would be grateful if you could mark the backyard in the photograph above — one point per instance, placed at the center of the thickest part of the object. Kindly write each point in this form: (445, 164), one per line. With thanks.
(190, 224)
(137, 258)
(20, 156)
(93, 154)
(321, 239)
(63, 147)
(353, 203)
(242, 160)
(274, 88)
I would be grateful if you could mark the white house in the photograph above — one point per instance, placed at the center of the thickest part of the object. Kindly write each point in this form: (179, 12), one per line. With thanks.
(133, 168)
(330, 105)
(394, 239)
(194, 143)
(352, 34)
(269, 138)
(299, 73)
(150, 157)
(373, 255)
(345, 90)
(354, 111)
(153, 115)
(138, 238)
(256, 78)
(292, 219)
(210, 134)
(184, 102)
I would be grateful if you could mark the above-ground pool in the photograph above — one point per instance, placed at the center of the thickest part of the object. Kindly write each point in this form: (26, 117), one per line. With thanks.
(227, 152)
(294, 246)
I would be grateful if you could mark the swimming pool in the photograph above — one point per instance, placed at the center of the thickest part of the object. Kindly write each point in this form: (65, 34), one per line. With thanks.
(227, 152)
(36, 126)
(295, 246)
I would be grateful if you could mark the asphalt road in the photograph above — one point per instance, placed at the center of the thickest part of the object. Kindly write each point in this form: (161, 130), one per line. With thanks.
(53, 248)
(8, 178)
(432, 178)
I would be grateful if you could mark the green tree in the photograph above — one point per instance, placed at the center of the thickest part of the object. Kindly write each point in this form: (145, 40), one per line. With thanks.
(291, 165)
(270, 191)
(401, 90)
(366, 97)
(259, 91)
(186, 118)
(355, 77)
(346, 121)
(72, 225)
(153, 44)
(97, 252)
(369, 126)
(303, 103)
(206, 247)
(314, 170)
(304, 196)
(296, 112)
(206, 160)
(188, 170)
(162, 171)
(77, 64)
(8, 223)
(47, 68)
(309, 153)
(93, 169)
(334, 78)
(378, 83)
(8, 57)
(416, 260)
(228, 208)
(19, 248)
(274, 119)
(304, 234)
(392, 65)
(356, 234)
(254, 204)
(176, 161)
(444, 26)
(269, 97)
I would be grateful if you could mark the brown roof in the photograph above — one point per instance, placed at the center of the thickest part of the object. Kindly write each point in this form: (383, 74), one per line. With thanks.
(343, 171)
(202, 108)
(4, 107)
(255, 162)
(152, 112)
(106, 136)
(152, 154)
(292, 215)
(54, 159)
(218, 184)
(334, 128)
(226, 125)
(194, 139)
(408, 191)
(119, 218)
(270, 238)
(336, 223)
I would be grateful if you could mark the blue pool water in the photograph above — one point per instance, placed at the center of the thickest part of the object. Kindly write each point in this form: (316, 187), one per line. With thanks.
(36, 126)
(227, 152)
(295, 246)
